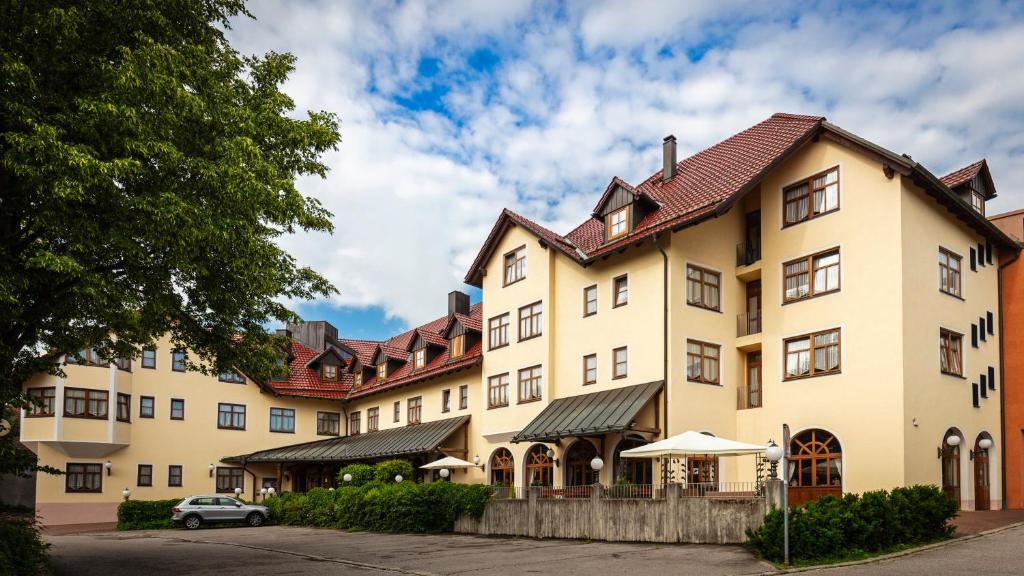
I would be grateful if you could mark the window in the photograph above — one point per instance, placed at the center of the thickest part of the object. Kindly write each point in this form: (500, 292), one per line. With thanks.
(530, 321)
(124, 364)
(620, 291)
(231, 416)
(124, 407)
(419, 358)
(978, 202)
(89, 357)
(530, 384)
(328, 423)
(824, 267)
(353, 423)
(951, 352)
(398, 411)
(702, 362)
(147, 406)
(703, 287)
(229, 478)
(174, 475)
(359, 377)
(515, 265)
(589, 369)
(45, 401)
(620, 363)
(281, 419)
(617, 223)
(372, 419)
(457, 346)
(415, 409)
(178, 360)
(949, 272)
(463, 397)
(382, 370)
(177, 409)
(82, 403)
(231, 377)
(590, 300)
(811, 198)
(149, 358)
(497, 391)
(83, 478)
(145, 475)
(329, 372)
(497, 329)
(446, 400)
(812, 355)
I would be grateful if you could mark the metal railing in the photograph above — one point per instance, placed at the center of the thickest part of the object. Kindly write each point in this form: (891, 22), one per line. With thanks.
(748, 252)
(748, 323)
(722, 490)
(633, 491)
(745, 399)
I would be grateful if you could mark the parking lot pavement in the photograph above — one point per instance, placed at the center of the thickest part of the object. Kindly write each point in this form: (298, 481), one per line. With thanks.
(293, 550)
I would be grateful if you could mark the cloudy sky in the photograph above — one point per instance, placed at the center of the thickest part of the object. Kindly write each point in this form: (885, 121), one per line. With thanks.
(453, 110)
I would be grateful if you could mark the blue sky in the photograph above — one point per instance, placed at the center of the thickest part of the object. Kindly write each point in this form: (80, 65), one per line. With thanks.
(453, 110)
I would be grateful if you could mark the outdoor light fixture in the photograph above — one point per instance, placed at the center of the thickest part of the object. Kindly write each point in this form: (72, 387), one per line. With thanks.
(597, 464)
(774, 455)
(331, 489)
(985, 443)
(953, 440)
(347, 477)
(476, 460)
(238, 492)
(551, 455)
(263, 492)
(126, 493)
(271, 490)
(212, 467)
(398, 477)
(444, 472)
(108, 465)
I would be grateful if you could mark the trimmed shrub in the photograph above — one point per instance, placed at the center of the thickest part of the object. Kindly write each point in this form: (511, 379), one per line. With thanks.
(22, 551)
(145, 514)
(361, 474)
(833, 528)
(388, 469)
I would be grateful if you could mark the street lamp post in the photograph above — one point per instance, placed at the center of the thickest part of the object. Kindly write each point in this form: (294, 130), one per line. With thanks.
(785, 493)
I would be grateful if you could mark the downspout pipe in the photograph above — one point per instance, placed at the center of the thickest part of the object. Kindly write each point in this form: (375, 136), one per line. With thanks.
(664, 331)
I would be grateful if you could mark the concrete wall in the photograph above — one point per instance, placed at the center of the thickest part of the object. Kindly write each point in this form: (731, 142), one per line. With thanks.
(668, 519)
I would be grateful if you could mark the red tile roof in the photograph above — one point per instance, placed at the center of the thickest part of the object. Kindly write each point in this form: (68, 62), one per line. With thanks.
(965, 174)
(303, 381)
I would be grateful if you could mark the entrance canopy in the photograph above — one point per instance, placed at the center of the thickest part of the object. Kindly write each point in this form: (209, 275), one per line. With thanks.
(449, 462)
(691, 442)
(592, 414)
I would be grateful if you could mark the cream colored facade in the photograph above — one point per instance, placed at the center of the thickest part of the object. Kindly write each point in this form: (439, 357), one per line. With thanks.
(889, 406)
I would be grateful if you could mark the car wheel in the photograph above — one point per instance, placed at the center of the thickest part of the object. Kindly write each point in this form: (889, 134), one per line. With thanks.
(255, 519)
(192, 522)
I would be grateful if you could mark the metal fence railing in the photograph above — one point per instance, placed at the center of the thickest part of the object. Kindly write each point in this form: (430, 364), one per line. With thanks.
(748, 252)
(722, 490)
(748, 323)
(748, 398)
(633, 491)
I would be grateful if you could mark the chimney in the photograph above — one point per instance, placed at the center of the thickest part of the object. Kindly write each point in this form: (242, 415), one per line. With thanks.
(313, 334)
(284, 332)
(458, 303)
(668, 158)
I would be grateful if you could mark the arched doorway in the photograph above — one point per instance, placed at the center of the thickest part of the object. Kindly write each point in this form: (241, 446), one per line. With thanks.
(540, 469)
(503, 468)
(815, 466)
(951, 464)
(631, 470)
(982, 484)
(578, 471)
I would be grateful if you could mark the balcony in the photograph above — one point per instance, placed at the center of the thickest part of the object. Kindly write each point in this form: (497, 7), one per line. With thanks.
(748, 331)
(747, 398)
(748, 260)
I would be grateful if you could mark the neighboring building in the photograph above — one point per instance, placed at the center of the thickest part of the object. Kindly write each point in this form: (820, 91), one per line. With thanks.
(793, 273)
(1012, 288)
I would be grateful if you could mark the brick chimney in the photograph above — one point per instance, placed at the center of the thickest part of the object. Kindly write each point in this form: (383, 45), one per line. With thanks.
(668, 158)
(458, 303)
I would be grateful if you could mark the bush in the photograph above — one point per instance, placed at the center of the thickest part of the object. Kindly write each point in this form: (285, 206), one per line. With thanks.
(22, 551)
(361, 474)
(145, 514)
(388, 469)
(831, 528)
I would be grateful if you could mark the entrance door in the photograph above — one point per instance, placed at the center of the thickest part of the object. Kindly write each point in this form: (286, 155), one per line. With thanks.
(951, 472)
(754, 307)
(981, 479)
(753, 396)
(753, 238)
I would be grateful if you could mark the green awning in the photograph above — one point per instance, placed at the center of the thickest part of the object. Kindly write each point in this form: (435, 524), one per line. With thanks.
(592, 414)
(394, 442)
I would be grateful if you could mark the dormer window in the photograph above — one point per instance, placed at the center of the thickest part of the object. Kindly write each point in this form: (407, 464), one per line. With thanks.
(419, 358)
(457, 346)
(329, 372)
(359, 378)
(382, 370)
(617, 223)
(977, 201)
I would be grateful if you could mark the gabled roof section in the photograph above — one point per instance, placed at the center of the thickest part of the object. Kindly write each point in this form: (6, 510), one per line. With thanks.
(467, 322)
(431, 339)
(506, 220)
(303, 381)
(970, 172)
(327, 352)
(612, 186)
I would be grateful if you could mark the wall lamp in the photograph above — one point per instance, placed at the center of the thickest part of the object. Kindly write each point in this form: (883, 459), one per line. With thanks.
(551, 456)
(212, 468)
(108, 465)
(983, 444)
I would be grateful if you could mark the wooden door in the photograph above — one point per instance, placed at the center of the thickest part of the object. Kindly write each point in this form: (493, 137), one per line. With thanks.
(753, 399)
(754, 307)
(753, 237)
(981, 479)
(951, 472)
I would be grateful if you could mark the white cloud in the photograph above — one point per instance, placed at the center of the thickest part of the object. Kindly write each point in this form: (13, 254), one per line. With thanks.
(587, 92)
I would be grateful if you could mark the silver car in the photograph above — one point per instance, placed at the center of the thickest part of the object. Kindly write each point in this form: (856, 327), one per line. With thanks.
(193, 511)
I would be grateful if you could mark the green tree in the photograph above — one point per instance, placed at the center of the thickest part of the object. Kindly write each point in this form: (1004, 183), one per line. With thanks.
(147, 170)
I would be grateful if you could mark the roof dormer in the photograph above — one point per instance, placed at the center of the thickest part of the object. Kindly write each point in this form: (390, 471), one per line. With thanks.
(973, 184)
(424, 347)
(621, 208)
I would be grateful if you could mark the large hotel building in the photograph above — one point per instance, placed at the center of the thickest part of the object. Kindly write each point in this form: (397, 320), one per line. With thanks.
(793, 273)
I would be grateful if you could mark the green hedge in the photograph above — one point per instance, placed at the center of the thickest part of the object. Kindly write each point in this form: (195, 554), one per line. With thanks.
(361, 474)
(835, 528)
(22, 551)
(145, 514)
(388, 469)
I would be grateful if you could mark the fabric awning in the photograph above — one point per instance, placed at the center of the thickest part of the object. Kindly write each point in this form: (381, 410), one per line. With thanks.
(589, 414)
(394, 442)
(448, 462)
(691, 442)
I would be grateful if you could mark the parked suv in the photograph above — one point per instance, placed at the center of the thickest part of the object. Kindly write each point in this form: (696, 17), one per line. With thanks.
(193, 511)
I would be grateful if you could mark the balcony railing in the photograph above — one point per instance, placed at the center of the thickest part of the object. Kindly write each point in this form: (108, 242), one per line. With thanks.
(747, 398)
(748, 252)
(749, 323)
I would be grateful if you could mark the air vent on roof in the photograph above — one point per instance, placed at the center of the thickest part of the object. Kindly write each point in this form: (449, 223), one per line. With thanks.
(668, 158)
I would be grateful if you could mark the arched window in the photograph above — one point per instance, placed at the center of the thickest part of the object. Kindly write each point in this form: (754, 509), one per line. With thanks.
(632, 470)
(951, 464)
(815, 466)
(540, 469)
(578, 471)
(503, 468)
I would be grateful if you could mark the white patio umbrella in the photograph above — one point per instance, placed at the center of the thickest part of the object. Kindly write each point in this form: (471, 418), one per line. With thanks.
(691, 442)
(448, 462)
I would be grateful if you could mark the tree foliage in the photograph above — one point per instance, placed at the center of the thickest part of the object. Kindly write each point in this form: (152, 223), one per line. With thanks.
(147, 170)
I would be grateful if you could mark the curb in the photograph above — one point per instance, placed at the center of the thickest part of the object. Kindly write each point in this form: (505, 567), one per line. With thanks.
(900, 554)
